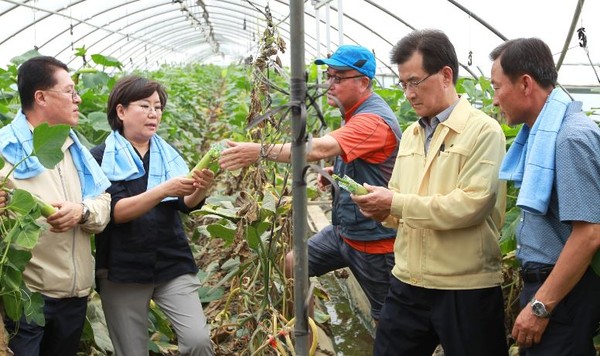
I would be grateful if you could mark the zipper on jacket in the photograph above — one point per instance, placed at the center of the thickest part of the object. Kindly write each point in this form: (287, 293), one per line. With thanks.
(62, 181)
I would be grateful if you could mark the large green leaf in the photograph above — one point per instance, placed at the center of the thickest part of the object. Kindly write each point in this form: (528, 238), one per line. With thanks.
(95, 317)
(18, 259)
(252, 238)
(25, 233)
(269, 202)
(11, 280)
(160, 321)
(94, 80)
(21, 202)
(106, 61)
(25, 56)
(222, 232)
(12, 305)
(47, 143)
(209, 294)
(34, 309)
(99, 121)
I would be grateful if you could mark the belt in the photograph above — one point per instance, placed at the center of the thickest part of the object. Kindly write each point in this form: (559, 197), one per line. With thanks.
(535, 275)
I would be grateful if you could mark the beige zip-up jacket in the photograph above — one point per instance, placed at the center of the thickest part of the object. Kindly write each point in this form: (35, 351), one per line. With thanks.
(62, 264)
(448, 205)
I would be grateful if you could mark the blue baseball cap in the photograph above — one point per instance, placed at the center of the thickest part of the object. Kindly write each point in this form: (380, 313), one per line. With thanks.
(348, 57)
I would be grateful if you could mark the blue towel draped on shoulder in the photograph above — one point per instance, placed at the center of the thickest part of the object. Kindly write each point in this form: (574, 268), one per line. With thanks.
(530, 160)
(122, 162)
(16, 144)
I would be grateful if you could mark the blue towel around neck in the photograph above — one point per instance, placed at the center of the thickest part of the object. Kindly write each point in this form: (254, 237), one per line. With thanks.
(122, 162)
(16, 144)
(530, 160)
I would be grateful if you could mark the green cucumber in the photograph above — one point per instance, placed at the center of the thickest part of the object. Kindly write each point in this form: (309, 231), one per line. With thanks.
(45, 208)
(350, 185)
(209, 159)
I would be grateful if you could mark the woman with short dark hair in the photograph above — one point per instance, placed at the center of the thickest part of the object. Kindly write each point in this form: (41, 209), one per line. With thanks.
(144, 253)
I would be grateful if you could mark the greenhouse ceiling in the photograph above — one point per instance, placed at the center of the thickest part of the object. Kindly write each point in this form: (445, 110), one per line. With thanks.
(144, 34)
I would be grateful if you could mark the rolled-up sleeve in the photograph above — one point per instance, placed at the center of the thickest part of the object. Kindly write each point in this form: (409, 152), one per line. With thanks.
(99, 213)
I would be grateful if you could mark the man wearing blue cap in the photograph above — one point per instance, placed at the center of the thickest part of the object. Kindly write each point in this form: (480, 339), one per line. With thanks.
(364, 149)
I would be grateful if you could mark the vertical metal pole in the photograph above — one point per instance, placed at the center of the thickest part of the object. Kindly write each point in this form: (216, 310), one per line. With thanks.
(299, 197)
(318, 79)
(318, 31)
(340, 11)
(328, 27)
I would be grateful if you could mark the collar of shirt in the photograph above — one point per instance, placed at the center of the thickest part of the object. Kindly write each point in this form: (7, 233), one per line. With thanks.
(350, 112)
(429, 125)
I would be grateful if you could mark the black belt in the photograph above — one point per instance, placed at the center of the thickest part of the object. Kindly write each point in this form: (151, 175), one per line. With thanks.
(535, 275)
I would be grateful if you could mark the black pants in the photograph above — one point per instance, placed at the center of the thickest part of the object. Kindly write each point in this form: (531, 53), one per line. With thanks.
(573, 321)
(415, 320)
(59, 337)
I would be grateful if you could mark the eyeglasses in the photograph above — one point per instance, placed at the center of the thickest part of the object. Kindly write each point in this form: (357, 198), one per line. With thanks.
(414, 85)
(74, 94)
(148, 108)
(336, 78)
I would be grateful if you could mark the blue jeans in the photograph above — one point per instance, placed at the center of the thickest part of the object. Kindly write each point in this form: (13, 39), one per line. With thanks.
(327, 251)
(59, 337)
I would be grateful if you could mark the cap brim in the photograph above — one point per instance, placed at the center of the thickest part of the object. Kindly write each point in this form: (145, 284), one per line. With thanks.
(332, 63)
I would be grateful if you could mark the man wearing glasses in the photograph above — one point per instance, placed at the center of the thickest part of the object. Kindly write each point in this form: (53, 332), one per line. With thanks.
(447, 203)
(365, 149)
(61, 267)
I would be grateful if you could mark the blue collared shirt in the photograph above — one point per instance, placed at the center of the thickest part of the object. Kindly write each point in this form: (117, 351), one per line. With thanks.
(575, 194)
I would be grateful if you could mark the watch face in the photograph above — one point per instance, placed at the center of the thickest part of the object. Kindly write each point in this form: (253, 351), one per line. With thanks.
(539, 309)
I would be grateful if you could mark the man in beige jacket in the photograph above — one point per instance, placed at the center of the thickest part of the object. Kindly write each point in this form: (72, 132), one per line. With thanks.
(447, 203)
(61, 267)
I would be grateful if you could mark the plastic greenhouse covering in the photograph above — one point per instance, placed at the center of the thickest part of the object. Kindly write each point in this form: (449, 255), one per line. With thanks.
(148, 33)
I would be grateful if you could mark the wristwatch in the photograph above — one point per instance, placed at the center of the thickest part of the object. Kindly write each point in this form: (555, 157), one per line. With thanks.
(539, 309)
(85, 214)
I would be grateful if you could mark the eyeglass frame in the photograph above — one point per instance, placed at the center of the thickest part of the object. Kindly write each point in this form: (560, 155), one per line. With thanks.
(148, 108)
(337, 79)
(74, 93)
(414, 85)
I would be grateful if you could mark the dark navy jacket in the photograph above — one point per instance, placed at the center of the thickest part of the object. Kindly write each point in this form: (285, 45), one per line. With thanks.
(150, 249)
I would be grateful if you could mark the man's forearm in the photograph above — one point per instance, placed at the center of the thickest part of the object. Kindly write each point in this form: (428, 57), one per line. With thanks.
(277, 152)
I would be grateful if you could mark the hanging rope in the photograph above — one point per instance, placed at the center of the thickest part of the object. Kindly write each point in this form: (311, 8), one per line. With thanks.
(583, 44)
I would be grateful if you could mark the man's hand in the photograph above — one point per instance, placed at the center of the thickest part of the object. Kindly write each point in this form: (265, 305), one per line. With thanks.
(239, 155)
(3, 198)
(66, 217)
(528, 328)
(375, 205)
(323, 183)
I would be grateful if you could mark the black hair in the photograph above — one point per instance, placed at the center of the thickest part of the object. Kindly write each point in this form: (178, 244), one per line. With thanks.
(127, 90)
(436, 48)
(527, 56)
(35, 74)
